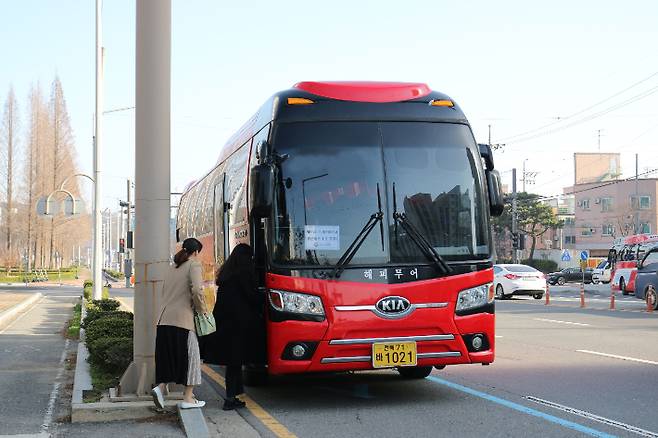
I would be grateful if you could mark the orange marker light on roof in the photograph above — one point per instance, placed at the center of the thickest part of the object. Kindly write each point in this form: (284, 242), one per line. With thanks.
(447, 103)
(299, 101)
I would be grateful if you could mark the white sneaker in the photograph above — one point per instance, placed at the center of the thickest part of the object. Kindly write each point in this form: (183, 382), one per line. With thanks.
(158, 398)
(195, 404)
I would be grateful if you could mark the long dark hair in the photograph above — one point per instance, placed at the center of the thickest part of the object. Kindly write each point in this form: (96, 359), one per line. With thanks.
(190, 246)
(239, 262)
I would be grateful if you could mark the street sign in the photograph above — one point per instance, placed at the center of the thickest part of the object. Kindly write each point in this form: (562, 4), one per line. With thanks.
(566, 256)
(584, 255)
(68, 207)
(53, 207)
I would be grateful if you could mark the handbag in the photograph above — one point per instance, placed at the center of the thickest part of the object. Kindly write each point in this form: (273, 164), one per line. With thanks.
(204, 324)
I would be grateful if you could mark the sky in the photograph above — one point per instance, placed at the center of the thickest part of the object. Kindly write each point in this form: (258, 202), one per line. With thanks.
(512, 66)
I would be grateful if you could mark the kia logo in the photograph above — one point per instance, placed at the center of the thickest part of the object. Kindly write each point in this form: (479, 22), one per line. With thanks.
(393, 306)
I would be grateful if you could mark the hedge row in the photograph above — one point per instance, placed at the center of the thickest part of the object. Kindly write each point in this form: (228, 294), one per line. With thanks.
(109, 335)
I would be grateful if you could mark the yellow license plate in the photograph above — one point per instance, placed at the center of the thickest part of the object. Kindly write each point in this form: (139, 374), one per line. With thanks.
(393, 354)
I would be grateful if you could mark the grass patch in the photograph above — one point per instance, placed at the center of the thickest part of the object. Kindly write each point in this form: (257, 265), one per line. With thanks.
(73, 330)
(102, 380)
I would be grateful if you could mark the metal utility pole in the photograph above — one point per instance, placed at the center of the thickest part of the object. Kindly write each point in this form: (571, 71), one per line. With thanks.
(152, 184)
(515, 254)
(128, 270)
(98, 135)
(637, 195)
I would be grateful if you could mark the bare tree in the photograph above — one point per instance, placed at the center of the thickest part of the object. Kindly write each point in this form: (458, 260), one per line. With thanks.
(8, 141)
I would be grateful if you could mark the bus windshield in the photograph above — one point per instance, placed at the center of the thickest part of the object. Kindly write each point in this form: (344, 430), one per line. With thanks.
(336, 175)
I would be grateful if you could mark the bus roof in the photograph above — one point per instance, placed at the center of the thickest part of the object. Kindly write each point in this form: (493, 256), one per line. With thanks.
(348, 101)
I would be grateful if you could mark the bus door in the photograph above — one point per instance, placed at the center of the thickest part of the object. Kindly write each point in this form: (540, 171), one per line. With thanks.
(220, 214)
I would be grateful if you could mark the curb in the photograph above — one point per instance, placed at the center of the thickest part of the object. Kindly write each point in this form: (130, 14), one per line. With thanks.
(82, 377)
(121, 411)
(11, 314)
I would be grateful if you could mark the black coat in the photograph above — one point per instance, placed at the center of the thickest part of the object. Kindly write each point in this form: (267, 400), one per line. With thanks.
(240, 326)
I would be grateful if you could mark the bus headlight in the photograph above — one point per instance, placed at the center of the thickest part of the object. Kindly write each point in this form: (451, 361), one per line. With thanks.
(295, 302)
(475, 297)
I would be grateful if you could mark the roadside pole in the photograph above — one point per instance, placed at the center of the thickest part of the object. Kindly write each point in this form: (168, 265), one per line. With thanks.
(97, 292)
(515, 255)
(128, 270)
(152, 185)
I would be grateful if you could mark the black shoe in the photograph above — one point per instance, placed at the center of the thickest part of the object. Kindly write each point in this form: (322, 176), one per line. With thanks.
(233, 403)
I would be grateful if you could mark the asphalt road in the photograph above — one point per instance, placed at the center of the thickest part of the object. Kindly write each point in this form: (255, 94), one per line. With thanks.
(557, 368)
(32, 360)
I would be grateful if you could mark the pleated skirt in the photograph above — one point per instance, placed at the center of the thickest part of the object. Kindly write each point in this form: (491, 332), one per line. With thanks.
(177, 358)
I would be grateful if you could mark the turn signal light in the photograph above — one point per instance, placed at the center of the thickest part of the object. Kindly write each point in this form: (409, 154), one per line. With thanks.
(299, 101)
(442, 102)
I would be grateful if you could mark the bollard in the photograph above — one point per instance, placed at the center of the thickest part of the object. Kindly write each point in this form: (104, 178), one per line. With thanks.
(649, 304)
(612, 299)
(548, 296)
(582, 295)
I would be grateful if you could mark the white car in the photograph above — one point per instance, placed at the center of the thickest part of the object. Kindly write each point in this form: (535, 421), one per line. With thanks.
(602, 273)
(512, 280)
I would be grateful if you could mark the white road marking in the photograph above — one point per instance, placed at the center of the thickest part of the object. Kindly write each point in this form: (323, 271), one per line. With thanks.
(594, 417)
(48, 417)
(562, 322)
(615, 356)
(498, 336)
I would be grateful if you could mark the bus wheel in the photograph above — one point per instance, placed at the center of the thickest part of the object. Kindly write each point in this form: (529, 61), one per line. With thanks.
(254, 375)
(622, 286)
(651, 297)
(414, 372)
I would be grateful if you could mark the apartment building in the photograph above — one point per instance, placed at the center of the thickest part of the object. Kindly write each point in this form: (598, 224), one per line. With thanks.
(607, 210)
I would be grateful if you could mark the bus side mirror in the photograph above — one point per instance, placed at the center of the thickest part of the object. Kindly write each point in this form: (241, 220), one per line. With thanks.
(496, 203)
(487, 155)
(261, 189)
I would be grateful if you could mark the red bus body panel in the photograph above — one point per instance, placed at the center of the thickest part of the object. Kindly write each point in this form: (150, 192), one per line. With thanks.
(342, 325)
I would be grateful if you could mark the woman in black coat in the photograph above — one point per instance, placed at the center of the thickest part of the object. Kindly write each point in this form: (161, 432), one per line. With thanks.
(236, 312)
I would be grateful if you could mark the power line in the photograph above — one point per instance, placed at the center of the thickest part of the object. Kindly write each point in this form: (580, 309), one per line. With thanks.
(610, 109)
(561, 119)
(618, 181)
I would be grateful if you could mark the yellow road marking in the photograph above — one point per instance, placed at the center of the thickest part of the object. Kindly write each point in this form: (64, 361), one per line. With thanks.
(277, 428)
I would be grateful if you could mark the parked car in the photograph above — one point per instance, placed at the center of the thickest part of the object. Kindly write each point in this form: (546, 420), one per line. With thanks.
(512, 280)
(602, 273)
(570, 274)
(646, 281)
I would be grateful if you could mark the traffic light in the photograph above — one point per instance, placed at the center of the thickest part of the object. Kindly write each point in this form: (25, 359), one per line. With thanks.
(122, 245)
(515, 240)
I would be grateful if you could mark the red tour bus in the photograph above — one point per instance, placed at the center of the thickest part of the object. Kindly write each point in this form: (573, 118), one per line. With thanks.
(623, 258)
(367, 206)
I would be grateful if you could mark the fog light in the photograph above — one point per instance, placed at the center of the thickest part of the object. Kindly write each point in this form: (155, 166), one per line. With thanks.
(298, 351)
(476, 342)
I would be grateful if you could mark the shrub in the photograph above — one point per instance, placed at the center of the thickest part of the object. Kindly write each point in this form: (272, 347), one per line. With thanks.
(106, 305)
(108, 327)
(87, 291)
(95, 314)
(545, 266)
(87, 283)
(119, 354)
(112, 353)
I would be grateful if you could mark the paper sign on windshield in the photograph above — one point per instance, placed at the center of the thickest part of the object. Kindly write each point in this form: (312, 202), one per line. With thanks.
(321, 237)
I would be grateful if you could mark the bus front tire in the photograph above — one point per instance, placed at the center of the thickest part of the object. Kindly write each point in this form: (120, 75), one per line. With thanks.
(414, 372)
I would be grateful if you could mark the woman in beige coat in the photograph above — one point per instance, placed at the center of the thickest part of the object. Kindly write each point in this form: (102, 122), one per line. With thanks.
(177, 357)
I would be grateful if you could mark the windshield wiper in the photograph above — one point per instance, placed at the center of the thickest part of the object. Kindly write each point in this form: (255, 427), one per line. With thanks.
(427, 248)
(350, 252)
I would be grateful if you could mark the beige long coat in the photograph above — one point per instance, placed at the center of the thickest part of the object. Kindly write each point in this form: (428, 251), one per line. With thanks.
(183, 294)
